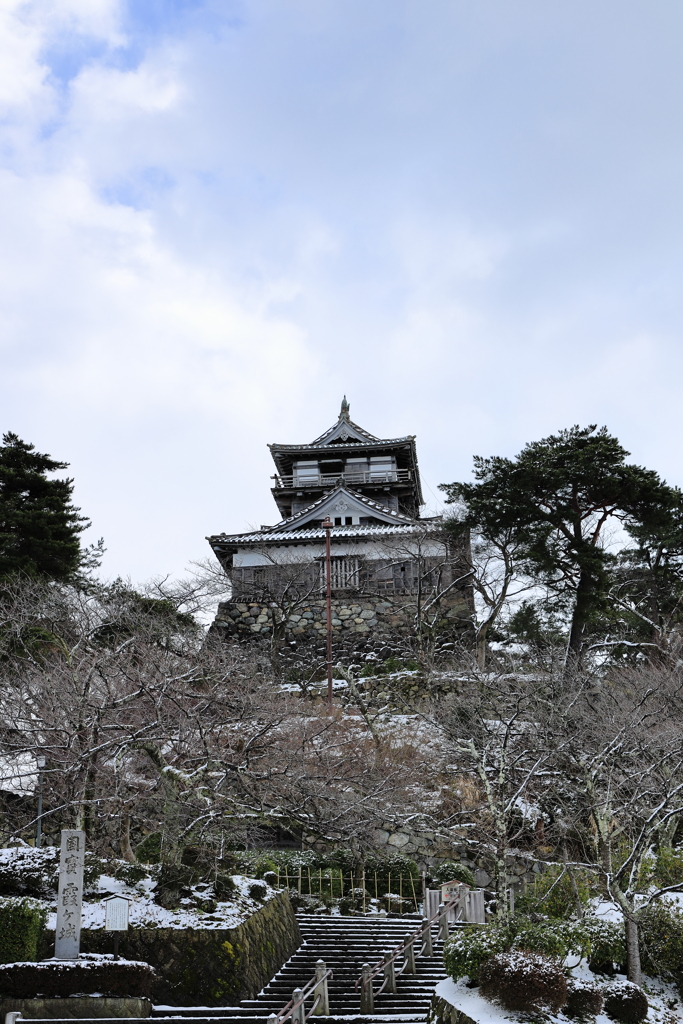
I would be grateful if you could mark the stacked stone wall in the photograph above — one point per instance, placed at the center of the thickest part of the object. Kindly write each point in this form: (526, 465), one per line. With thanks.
(350, 615)
(431, 848)
(206, 966)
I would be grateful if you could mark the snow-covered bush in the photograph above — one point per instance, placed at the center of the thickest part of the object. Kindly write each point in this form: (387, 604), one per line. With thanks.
(90, 973)
(308, 904)
(257, 891)
(131, 874)
(468, 950)
(554, 938)
(29, 872)
(393, 903)
(661, 941)
(524, 981)
(608, 944)
(354, 900)
(625, 1002)
(583, 999)
(451, 871)
(21, 926)
(465, 952)
(176, 881)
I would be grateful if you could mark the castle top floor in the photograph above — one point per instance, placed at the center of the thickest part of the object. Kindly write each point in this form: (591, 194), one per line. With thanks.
(384, 470)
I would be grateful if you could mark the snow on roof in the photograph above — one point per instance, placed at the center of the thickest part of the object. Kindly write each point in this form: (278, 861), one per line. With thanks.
(18, 773)
(315, 533)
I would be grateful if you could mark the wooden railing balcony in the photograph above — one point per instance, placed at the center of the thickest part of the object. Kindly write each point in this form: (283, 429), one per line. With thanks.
(351, 476)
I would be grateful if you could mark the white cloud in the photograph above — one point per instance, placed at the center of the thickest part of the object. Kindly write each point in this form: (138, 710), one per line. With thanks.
(213, 229)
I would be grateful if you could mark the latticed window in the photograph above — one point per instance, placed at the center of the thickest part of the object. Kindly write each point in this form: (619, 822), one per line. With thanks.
(344, 572)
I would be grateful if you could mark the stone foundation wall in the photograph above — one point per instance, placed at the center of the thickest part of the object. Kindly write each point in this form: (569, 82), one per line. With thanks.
(206, 966)
(350, 615)
(443, 1012)
(430, 848)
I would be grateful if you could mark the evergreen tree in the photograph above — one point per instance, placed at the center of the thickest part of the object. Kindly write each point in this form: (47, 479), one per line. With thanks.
(558, 496)
(39, 525)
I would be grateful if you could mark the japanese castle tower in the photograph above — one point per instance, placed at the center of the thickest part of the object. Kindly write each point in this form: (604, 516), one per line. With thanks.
(385, 558)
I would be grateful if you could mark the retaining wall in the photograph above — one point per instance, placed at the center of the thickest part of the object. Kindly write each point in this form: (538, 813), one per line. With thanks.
(206, 966)
(359, 615)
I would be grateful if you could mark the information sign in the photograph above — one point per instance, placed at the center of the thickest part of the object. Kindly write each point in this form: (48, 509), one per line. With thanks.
(116, 914)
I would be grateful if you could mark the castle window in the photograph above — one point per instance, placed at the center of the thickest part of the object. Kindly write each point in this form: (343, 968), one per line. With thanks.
(356, 470)
(382, 468)
(305, 473)
(345, 573)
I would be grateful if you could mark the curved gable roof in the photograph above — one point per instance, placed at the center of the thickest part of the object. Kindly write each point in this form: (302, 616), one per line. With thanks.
(344, 430)
(331, 504)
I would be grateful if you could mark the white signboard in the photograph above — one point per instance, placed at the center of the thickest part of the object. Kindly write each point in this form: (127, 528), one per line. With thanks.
(70, 895)
(116, 914)
(451, 889)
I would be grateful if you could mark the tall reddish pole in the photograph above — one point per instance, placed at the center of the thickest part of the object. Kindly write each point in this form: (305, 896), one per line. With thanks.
(327, 526)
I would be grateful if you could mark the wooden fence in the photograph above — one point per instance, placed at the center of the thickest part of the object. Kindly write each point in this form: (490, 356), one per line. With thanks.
(405, 892)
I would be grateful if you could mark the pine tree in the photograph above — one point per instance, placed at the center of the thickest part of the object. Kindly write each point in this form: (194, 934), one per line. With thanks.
(39, 525)
(557, 498)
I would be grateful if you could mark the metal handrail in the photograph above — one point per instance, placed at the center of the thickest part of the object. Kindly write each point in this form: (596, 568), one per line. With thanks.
(288, 1009)
(400, 948)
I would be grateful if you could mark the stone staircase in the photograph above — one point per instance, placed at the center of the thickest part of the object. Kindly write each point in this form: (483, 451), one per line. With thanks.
(344, 944)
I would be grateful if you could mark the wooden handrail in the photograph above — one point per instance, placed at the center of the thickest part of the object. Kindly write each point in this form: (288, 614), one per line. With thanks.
(420, 930)
(288, 1009)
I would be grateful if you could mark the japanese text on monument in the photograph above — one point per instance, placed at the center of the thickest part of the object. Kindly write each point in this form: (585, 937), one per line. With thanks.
(70, 895)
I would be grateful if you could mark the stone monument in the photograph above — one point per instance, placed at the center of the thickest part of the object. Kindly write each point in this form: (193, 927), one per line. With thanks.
(70, 895)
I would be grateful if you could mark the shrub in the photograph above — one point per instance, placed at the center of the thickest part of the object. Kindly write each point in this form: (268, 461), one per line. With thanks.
(465, 952)
(384, 872)
(149, 850)
(669, 866)
(91, 973)
(524, 981)
(661, 933)
(608, 944)
(552, 893)
(29, 872)
(21, 927)
(394, 904)
(309, 904)
(450, 871)
(93, 867)
(263, 866)
(469, 949)
(257, 891)
(176, 880)
(224, 886)
(130, 873)
(554, 938)
(583, 999)
(353, 901)
(624, 1001)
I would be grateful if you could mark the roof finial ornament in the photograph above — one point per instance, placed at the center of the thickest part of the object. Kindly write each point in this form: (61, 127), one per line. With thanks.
(344, 414)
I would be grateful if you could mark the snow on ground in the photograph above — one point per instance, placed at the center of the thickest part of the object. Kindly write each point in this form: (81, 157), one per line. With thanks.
(144, 912)
(665, 1002)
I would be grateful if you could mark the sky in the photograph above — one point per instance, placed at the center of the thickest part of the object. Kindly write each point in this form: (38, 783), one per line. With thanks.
(217, 217)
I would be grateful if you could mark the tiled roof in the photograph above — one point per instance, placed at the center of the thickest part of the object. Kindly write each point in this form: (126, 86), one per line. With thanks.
(372, 506)
(344, 423)
(338, 533)
(355, 445)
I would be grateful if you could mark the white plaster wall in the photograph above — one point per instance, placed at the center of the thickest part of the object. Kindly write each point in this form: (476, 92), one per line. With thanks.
(390, 547)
